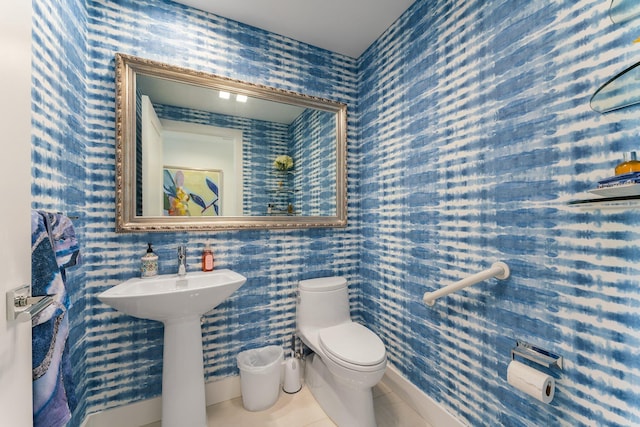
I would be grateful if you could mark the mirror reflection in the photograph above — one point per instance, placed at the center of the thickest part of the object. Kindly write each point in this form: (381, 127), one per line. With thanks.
(203, 152)
(624, 10)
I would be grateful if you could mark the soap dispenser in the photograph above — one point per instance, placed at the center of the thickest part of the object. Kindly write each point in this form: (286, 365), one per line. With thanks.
(292, 375)
(149, 265)
(207, 258)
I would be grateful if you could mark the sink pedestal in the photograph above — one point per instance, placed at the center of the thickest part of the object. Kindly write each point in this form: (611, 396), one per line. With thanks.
(183, 396)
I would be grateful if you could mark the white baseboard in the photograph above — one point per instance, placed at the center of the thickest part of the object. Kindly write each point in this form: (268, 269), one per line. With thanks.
(148, 411)
(429, 409)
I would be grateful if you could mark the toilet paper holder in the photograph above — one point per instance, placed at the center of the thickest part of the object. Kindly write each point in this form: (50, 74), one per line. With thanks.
(536, 354)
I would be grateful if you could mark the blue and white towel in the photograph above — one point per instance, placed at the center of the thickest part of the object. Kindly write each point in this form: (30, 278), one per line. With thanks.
(54, 248)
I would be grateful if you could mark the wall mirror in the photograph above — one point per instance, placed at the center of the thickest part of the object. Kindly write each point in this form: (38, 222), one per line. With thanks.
(196, 151)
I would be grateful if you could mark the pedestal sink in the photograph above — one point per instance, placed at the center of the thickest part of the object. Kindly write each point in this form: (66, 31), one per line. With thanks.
(179, 303)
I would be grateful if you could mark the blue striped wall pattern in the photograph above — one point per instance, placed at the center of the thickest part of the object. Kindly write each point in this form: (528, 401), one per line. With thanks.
(469, 129)
(312, 137)
(475, 130)
(119, 358)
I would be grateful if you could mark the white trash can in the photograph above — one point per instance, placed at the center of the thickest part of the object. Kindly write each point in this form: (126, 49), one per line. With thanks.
(260, 374)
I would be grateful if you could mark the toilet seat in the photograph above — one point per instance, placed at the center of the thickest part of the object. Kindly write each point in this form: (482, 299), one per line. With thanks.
(353, 346)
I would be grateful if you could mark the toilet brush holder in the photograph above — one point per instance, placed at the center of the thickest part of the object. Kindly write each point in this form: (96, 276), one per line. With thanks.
(292, 378)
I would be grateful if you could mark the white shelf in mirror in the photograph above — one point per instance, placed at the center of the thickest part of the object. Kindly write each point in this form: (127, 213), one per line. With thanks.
(624, 10)
(623, 90)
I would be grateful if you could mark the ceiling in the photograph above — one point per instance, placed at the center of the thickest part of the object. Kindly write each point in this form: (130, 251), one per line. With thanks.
(178, 94)
(343, 26)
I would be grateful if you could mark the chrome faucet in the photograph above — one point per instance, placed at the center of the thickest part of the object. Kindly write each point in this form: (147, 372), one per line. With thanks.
(182, 261)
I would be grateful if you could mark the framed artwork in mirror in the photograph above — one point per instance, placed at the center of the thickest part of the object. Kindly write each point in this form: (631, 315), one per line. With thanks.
(191, 192)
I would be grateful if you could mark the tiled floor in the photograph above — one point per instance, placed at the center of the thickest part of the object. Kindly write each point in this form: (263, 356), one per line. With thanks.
(301, 410)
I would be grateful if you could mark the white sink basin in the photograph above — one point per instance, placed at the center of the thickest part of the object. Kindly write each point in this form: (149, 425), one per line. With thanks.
(170, 297)
(179, 303)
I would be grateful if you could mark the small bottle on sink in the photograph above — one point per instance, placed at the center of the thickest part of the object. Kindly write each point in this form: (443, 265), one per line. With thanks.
(149, 266)
(207, 258)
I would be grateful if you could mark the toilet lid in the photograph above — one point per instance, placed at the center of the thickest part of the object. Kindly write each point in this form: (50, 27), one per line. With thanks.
(353, 343)
(322, 284)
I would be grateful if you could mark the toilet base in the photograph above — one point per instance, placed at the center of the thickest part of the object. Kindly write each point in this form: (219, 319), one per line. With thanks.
(347, 406)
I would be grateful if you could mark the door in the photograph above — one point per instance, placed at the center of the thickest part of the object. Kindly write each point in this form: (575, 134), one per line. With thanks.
(152, 161)
(15, 227)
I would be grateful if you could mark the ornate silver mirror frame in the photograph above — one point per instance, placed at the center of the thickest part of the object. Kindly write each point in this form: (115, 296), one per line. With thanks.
(128, 214)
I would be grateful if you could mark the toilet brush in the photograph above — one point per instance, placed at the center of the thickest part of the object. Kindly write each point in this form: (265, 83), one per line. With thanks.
(292, 383)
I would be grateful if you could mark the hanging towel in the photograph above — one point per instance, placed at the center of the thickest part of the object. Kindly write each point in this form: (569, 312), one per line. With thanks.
(54, 248)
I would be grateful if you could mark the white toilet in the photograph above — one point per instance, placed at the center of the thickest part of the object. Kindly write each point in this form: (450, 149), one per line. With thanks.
(348, 358)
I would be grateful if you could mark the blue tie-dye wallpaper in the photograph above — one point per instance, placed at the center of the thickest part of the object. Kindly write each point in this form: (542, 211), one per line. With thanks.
(312, 146)
(469, 130)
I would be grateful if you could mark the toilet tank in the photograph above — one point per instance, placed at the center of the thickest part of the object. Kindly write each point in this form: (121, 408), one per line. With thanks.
(322, 302)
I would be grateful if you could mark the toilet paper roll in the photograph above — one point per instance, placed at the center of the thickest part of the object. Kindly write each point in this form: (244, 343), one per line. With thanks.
(531, 381)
